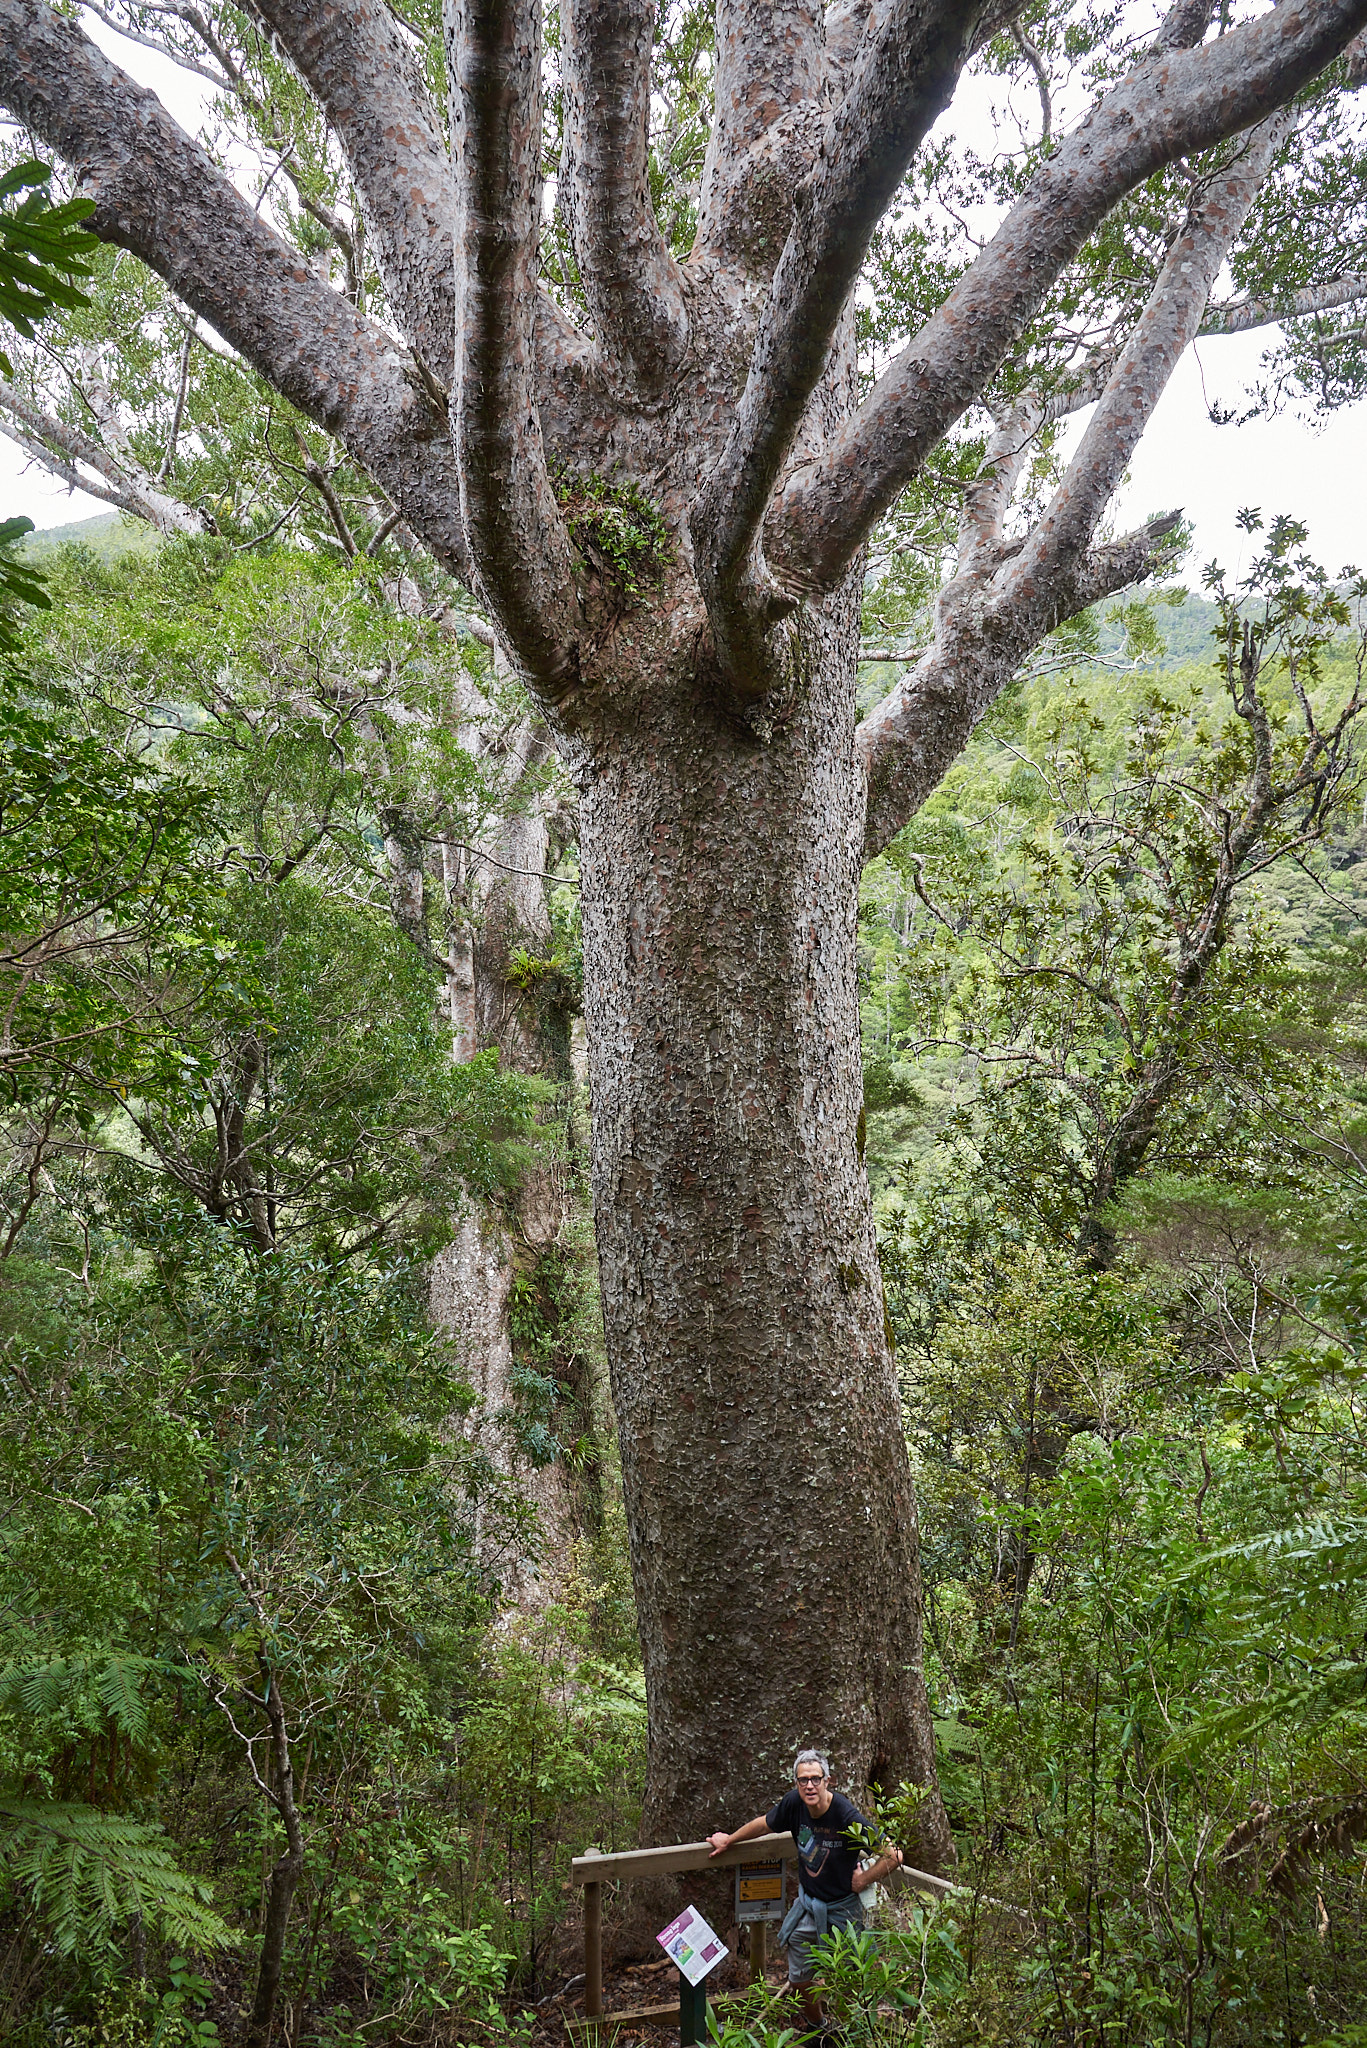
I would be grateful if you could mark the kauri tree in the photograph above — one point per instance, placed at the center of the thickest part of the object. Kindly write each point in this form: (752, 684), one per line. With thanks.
(655, 465)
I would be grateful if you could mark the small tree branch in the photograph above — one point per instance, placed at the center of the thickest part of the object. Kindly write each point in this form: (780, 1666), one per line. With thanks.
(157, 194)
(322, 483)
(1034, 57)
(905, 75)
(222, 80)
(1237, 316)
(356, 60)
(632, 283)
(121, 481)
(178, 411)
(1174, 103)
(988, 498)
(517, 538)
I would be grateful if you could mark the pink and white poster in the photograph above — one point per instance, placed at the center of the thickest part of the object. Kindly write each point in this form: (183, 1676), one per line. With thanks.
(690, 1942)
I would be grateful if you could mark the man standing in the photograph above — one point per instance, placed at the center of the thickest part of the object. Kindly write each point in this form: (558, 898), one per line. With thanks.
(828, 1829)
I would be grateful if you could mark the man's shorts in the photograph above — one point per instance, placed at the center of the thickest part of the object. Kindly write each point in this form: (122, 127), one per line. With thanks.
(802, 1961)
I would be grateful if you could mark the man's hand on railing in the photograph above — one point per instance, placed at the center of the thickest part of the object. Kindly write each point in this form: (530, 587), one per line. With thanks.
(886, 1863)
(721, 1840)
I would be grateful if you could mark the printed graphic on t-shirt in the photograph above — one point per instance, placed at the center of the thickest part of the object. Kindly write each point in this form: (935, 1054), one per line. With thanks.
(814, 1850)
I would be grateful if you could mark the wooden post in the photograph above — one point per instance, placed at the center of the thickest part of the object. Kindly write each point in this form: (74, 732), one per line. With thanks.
(593, 1950)
(757, 1928)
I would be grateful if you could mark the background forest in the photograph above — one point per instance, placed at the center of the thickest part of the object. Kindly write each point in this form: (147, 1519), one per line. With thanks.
(262, 1682)
(318, 1657)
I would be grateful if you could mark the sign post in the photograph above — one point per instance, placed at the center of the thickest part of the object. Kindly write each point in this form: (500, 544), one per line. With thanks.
(690, 1943)
(761, 1896)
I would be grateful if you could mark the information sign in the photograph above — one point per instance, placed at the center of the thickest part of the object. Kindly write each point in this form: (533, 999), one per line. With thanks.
(761, 1892)
(690, 1942)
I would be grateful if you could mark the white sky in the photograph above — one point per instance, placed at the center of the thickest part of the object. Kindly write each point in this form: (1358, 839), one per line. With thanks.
(1280, 465)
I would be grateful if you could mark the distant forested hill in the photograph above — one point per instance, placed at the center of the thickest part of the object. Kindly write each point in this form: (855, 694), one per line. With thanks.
(108, 535)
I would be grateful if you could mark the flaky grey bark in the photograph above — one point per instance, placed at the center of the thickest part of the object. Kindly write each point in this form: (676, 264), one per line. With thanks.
(705, 705)
(772, 1520)
(903, 77)
(632, 284)
(519, 549)
(364, 72)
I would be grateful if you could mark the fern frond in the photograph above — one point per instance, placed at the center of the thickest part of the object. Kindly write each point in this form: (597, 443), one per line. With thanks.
(116, 1678)
(1311, 1700)
(1338, 1830)
(1299, 1543)
(87, 1873)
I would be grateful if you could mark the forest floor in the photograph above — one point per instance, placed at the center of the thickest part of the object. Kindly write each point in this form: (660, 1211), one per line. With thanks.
(627, 1988)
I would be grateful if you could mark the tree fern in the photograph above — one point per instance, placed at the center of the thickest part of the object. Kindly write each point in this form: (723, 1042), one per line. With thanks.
(86, 1873)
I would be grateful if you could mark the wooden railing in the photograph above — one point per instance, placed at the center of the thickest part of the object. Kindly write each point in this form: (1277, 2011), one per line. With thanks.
(594, 1871)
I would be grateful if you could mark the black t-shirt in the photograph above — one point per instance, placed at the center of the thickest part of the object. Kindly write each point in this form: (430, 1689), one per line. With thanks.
(827, 1860)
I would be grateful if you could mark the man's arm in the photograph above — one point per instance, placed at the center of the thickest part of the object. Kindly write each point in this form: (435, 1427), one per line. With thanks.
(889, 1860)
(758, 1826)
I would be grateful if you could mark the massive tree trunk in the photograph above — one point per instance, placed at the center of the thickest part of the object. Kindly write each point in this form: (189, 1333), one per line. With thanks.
(726, 793)
(767, 1482)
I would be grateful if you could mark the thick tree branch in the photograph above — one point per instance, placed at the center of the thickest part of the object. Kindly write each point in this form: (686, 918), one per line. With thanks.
(905, 75)
(157, 194)
(766, 119)
(1174, 103)
(1004, 602)
(1169, 323)
(361, 68)
(633, 285)
(909, 741)
(517, 538)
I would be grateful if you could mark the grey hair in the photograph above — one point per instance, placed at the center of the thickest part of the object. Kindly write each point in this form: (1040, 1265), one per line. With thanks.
(812, 1756)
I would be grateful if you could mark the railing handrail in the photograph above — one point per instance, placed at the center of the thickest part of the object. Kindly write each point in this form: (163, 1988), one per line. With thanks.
(629, 1863)
(593, 1868)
